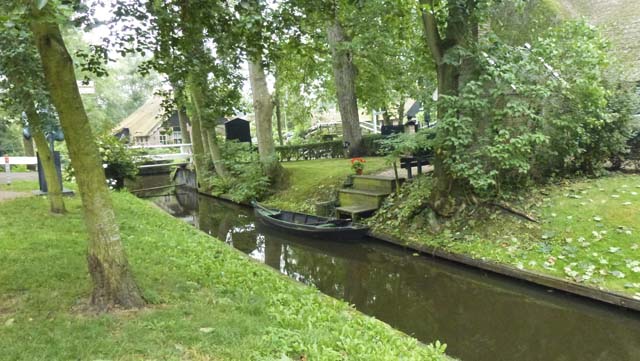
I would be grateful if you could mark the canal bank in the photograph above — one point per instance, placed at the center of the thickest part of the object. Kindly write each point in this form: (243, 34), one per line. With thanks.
(187, 177)
(205, 300)
(480, 315)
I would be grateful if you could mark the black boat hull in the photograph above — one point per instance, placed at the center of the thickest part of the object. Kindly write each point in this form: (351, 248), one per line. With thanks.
(303, 225)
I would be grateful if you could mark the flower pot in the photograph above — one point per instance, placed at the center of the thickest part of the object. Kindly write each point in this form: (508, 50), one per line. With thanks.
(359, 171)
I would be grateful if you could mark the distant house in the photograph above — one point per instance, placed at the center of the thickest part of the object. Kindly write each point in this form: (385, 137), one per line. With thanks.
(144, 126)
(238, 129)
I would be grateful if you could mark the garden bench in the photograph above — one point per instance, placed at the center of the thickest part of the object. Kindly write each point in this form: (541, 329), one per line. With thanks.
(414, 161)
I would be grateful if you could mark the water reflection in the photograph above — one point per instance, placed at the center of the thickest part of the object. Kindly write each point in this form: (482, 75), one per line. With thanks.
(480, 316)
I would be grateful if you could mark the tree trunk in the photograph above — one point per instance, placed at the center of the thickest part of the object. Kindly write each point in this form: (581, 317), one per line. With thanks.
(29, 151)
(401, 111)
(113, 282)
(207, 126)
(216, 153)
(448, 193)
(344, 74)
(263, 110)
(184, 128)
(278, 101)
(54, 189)
(200, 155)
(386, 117)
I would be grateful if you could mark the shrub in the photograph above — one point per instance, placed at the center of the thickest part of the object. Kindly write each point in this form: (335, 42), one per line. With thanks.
(329, 149)
(535, 111)
(119, 162)
(246, 179)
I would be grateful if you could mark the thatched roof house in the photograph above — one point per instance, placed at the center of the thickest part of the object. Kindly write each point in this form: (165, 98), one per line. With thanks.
(144, 126)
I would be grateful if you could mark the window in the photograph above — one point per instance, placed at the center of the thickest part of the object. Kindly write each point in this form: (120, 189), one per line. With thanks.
(163, 139)
(177, 137)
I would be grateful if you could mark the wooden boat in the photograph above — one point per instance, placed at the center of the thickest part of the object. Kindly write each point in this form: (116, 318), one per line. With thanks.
(310, 225)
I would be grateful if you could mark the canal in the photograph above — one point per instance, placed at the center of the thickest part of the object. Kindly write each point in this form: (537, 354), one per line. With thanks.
(480, 316)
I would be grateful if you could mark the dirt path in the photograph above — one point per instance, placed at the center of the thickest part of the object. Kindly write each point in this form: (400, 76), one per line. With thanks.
(6, 195)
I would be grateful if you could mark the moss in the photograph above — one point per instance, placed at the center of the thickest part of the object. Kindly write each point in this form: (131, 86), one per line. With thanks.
(206, 300)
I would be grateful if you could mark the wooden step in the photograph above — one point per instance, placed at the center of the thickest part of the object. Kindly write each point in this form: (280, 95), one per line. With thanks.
(355, 212)
(355, 197)
(375, 183)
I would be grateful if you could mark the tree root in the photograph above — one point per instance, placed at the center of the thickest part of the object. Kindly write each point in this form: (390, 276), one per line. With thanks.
(512, 210)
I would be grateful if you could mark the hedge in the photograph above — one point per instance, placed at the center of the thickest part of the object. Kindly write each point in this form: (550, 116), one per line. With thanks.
(330, 149)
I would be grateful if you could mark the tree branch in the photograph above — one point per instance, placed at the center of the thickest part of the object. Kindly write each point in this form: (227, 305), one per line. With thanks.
(430, 27)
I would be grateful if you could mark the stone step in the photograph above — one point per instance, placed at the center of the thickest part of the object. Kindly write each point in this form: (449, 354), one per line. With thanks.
(375, 183)
(355, 212)
(355, 197)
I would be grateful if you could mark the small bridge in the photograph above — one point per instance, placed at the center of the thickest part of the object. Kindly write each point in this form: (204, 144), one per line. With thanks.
(370, 126)
(164, 155)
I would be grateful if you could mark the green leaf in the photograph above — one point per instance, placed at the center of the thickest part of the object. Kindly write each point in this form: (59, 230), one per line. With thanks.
(41, 4)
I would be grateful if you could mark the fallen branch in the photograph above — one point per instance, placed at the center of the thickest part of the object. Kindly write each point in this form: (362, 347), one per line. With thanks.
(519, 213)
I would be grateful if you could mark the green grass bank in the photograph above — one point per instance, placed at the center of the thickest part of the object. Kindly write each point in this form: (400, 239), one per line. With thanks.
(312, 181)
(588, 230)
(207, 301)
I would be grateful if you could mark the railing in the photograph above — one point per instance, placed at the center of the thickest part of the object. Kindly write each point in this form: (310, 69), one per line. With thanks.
(9, 161)
(368, 125)
(184, 155)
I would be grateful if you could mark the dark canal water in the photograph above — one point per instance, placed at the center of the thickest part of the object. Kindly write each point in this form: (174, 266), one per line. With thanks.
(480, 316)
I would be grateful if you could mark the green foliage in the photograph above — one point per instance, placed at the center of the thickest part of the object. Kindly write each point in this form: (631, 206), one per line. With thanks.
(399, 209)
(119, 161)
(207, 299)
(10, 139)
(246, 180)
(388, 51)
(534, 111)
(401, 144)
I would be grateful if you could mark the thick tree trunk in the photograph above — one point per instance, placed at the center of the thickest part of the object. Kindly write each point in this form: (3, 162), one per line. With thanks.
(54, 188)
(344, 74)
(263, 110)
(200, 155)
(216, 153)
(207, 126)
(113, 282)
(27, 144)
(184, 128)
(448, 193)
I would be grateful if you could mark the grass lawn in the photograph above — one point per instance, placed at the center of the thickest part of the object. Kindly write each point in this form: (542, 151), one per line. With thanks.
(20, 186)
(589, 233)
(317, 180)
(207, 301)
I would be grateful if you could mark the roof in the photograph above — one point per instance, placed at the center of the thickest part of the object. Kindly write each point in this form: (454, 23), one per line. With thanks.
(144, 120)
(620, 21)
(414, 109)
